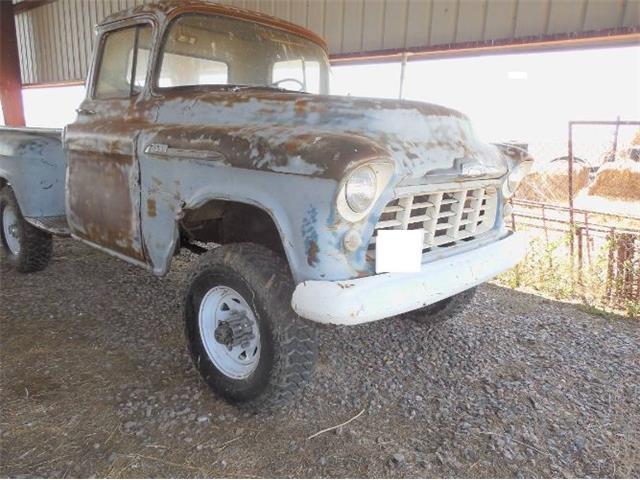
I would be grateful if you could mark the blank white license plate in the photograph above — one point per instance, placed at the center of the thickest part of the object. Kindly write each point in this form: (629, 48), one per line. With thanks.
(399, 251)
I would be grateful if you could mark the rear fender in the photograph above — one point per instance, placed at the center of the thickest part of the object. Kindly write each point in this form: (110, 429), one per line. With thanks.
(32, 161)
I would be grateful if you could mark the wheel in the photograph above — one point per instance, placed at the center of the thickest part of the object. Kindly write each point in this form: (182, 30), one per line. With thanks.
(27, 247)
(442, 310)
(244, 338)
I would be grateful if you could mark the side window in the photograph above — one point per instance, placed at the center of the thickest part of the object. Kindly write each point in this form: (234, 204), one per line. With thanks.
(143, 57)
(124, 61)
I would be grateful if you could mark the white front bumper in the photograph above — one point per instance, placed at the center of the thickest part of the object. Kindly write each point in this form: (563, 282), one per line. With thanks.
(350, 302)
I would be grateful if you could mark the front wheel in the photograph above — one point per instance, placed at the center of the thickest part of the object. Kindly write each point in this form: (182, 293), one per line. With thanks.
(442, 310)
(27, 248)
(244, 338)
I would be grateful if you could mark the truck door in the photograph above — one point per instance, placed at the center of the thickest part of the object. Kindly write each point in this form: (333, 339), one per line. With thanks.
(103, 176)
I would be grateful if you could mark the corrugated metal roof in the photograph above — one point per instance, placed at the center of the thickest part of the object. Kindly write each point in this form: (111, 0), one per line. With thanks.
(56, 39)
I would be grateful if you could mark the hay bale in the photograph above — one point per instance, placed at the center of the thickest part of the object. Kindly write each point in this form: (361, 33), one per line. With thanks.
(549, 182)
(618, 180)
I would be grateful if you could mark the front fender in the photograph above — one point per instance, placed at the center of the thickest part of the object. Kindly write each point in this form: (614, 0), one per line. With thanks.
(293, 176)
(302, 209)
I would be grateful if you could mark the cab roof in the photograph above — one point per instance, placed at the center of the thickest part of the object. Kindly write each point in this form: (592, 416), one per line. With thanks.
(166, 10)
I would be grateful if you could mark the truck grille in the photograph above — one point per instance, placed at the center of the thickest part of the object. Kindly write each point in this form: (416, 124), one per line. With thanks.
(447, 217)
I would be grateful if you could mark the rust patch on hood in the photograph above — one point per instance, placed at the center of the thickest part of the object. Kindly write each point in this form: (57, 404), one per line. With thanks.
(272, 148)
(317, 135)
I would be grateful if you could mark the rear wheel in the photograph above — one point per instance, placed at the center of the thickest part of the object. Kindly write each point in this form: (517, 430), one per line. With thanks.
(442, 310)
(27, 248)
(244, 338)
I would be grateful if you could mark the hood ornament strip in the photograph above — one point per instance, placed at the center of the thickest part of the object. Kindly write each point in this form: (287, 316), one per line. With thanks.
(468, 168)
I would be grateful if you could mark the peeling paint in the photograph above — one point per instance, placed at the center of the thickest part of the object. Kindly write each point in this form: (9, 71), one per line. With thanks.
(33, 162)
(151, 207)
(135, 166)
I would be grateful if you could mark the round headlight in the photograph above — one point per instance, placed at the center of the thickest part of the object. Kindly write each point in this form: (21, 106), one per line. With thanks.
(360, 189)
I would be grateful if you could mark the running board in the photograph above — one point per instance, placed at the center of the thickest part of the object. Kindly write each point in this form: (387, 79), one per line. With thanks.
(55, 225)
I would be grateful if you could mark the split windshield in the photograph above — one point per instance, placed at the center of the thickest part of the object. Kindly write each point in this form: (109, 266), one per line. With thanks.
(204, 49)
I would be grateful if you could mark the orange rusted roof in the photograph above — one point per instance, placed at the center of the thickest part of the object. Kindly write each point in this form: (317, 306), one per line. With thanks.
(170, 8)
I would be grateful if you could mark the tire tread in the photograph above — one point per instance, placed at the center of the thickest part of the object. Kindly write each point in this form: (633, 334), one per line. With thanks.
(36, 247)
(295, 339)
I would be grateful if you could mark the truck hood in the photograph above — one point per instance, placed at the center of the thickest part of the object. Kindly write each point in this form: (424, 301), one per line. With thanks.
(324, 136)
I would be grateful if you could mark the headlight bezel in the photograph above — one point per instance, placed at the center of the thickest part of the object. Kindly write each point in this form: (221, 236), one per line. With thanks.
(382, 172)
(517, 172)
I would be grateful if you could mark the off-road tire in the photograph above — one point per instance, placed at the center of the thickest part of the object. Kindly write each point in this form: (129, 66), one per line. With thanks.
(36, 246)
(288, 343)
(443, 310)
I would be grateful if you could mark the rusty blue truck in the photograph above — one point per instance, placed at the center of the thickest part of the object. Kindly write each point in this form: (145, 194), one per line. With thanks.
(210, 128)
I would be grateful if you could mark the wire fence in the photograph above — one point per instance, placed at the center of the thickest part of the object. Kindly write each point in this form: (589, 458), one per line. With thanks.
(599, 255)
(592, 145)
(592, 255)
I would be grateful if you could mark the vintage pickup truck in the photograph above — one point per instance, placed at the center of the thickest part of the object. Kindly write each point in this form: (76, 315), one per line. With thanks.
(205, 124)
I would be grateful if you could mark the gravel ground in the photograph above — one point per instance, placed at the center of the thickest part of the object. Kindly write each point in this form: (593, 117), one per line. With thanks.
(96, 381)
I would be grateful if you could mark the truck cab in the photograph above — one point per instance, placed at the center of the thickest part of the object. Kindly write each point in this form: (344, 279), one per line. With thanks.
(209, 125)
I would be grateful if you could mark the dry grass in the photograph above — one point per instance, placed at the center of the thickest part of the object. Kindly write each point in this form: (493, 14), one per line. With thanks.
(618, 181)
(549, 183)
(547, 271)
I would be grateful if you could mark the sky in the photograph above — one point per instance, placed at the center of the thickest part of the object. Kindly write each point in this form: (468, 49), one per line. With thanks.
(526, 97)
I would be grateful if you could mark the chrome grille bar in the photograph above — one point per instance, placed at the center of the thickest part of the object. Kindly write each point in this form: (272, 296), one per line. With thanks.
(447, 217)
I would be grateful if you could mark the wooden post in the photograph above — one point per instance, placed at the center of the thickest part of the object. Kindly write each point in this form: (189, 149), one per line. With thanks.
(610, 260)
(580, 277)
(572, 225)
(10, 79)
(588, 238)
(544, 226)
(625, 266)
(637, 268)
(614, 150)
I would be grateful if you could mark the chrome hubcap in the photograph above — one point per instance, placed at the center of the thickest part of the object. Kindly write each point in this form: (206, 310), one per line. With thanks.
(229, 332)
(10, 229)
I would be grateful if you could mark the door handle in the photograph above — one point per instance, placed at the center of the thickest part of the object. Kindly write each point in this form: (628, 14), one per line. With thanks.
(85, 111)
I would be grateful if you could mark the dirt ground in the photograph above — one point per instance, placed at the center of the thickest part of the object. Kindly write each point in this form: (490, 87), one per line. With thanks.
(96, 381)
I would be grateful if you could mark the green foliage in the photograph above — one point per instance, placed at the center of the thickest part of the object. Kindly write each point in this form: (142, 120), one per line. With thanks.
(547, 269)
(632, 308)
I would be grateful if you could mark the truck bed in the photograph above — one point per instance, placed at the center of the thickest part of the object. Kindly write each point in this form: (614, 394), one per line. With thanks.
(32, 161)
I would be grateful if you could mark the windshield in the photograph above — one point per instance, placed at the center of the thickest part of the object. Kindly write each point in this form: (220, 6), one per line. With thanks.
(217, 50)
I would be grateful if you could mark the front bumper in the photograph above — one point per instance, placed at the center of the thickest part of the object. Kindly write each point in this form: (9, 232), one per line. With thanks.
(361, 300)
